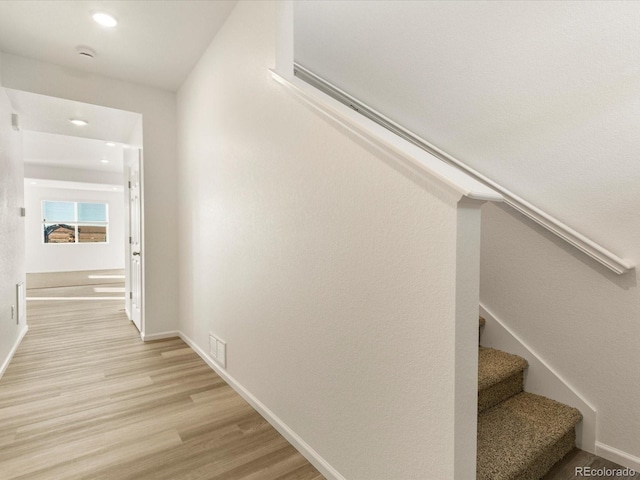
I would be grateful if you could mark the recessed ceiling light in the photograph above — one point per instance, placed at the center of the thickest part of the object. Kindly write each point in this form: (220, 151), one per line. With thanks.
(104, 160)
(105, 19)
(110, 144)
(33, 183)
(77, 121)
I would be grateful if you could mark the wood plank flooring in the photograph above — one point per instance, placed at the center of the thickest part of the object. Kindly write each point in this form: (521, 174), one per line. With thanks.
(566, 468)
(85, 398)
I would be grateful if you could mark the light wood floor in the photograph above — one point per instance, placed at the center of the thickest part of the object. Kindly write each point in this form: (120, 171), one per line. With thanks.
(566, 468)
(85, 398)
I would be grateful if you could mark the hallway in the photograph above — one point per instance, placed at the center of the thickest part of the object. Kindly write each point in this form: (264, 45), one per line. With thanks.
(84, 397)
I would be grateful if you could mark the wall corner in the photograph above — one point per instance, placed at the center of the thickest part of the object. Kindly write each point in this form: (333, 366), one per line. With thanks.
(466, 336)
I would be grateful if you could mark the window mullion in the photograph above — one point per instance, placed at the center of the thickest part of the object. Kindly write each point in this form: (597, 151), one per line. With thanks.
(75, 211)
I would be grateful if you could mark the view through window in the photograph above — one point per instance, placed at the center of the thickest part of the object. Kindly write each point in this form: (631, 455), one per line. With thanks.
(74, 222)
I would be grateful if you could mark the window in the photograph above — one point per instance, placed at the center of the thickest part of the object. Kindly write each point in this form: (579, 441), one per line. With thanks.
(74, 222)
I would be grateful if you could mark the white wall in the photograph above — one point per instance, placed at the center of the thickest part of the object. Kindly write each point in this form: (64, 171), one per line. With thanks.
(329, 273)
(67, 174)
(12, 263)
(158, 110)
(43, 257)
(544, 98)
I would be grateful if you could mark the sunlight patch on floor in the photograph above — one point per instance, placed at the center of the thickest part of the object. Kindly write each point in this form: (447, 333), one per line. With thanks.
(75, 298)
(108, 289)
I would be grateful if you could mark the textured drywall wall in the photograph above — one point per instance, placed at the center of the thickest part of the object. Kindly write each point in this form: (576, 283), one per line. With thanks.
(12, 263)
(329, 273)
(43, 257)
(544, 98)
(71, 174)
(160, 166)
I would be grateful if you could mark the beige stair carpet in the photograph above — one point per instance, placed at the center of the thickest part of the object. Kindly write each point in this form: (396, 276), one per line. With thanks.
(500, 376)
(523, 437)
(520, 435)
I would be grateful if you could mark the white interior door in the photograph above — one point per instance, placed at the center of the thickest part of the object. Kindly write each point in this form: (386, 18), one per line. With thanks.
(135, 228)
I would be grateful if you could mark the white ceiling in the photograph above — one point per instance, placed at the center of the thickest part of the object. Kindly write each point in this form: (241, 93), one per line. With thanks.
(155, 42)
(41, 113)
(50, 140)
(62, 151)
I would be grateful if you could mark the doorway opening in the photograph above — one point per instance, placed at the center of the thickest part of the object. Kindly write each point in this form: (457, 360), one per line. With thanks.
(83, 202)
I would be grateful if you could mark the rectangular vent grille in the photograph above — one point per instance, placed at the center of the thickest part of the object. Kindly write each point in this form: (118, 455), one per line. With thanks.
(21, 302)
(218, 350)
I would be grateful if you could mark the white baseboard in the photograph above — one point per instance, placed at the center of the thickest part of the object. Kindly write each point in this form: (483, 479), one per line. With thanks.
(12, 352)
(540, 378)
(618, 456)
(159, 336)
(294, 439)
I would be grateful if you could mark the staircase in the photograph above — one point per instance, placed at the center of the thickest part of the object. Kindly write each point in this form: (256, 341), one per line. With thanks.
(520, 435)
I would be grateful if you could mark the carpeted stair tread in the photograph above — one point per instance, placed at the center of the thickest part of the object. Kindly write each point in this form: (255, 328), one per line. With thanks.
(500, 376)
(495, 366)
(522, 437)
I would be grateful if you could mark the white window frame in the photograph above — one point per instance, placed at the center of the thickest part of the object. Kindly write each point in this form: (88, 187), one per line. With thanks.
(75, 224)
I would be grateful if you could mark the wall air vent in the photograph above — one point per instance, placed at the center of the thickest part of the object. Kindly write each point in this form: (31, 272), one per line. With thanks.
(21, 302)
(218, 350)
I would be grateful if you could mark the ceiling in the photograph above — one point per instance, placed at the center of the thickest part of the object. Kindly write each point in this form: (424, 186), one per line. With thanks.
(42, 113)
(63, 151)
(95, 187)
(155, 43)
(50, 140)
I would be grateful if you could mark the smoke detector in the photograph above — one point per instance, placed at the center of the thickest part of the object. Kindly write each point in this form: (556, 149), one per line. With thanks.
(85, 52)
